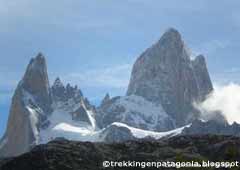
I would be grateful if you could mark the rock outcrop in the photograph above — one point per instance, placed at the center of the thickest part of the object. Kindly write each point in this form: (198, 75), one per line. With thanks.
(80, 114)
(165, 74)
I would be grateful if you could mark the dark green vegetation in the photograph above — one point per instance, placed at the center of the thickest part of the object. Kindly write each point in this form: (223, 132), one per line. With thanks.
(70, 155)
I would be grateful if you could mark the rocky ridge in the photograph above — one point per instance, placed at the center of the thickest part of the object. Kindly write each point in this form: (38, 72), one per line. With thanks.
(72, 155)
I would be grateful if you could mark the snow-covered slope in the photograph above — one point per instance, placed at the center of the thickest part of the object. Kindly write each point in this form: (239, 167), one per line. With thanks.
(112, 133)
(136, 112)
(62, 125)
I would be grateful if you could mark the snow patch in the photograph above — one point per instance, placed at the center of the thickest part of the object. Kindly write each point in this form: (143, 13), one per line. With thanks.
(33, 118)
(138, 111)
(139, 133)
(62, 125)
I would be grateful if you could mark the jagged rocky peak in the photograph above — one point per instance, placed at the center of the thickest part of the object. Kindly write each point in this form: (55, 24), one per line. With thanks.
(35, 81)
(106, 99)
(36, 76)
(31, 104)
(202, 76)
(164, 74)
(58, 90)
(58, 83)
(73, 92)
(171, 36)
(64, 93)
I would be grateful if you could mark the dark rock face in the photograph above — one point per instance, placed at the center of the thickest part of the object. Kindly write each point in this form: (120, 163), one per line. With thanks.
(36, 82)
(165, 74)
(70, 97)
(58, 90)
(69, 155)
(202, 77)
(63, 94)
(105, 100)
(115, 133)
(30, 106)
(81, 115)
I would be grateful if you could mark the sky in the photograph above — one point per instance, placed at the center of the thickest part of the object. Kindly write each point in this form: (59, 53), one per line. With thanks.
(94, 43)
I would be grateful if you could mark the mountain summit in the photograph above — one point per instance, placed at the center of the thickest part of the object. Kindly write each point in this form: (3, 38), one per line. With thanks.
(30, 106)
(36, 81)
(165, 74)
(38, 110)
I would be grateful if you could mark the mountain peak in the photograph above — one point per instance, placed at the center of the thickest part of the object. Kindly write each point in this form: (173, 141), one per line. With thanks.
(58, 83)
(35, 80)
(170, 35)
(164, 74)
(40, 56)
(200, 59)
(106, 99)
(172, 30)
(37, 62)
(31, 104)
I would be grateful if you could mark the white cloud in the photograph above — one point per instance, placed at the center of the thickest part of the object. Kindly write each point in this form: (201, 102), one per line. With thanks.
(225, 99)
(113, 77)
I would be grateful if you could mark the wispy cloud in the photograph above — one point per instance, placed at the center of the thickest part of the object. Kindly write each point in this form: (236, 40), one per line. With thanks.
(211, 47)
(110, 77)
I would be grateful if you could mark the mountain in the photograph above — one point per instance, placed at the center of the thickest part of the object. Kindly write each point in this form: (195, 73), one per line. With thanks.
(164, 85)
(72, 155)
(30, 106)
(165, 76)
(37, 109)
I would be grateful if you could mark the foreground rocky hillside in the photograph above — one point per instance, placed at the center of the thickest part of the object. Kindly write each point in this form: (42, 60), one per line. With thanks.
(70, 155)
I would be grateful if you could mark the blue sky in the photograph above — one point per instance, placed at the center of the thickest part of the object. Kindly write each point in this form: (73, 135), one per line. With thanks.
(94, 43)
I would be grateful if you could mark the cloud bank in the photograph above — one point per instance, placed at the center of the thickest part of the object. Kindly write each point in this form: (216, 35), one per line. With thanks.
(225, 99)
